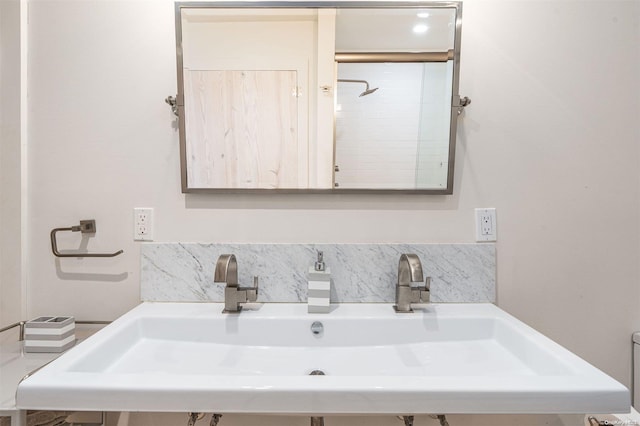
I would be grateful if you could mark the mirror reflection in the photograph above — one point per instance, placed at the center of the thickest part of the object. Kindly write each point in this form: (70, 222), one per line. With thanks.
(394, 135)
(317, 98)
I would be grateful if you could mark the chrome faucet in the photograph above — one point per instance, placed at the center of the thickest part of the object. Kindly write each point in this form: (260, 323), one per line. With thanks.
(227, 272)
(410, 271)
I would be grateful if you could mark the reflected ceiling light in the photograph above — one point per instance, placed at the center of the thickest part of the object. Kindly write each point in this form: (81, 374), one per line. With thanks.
(422, 14)
(420, 28)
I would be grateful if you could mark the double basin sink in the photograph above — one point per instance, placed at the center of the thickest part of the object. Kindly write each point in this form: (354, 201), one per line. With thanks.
(442, 358)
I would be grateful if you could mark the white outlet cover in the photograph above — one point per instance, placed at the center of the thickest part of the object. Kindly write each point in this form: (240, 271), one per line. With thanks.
(143, 224)
(486, 224)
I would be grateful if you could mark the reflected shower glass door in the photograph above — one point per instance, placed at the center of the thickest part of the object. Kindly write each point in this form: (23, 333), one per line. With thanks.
(395, 137)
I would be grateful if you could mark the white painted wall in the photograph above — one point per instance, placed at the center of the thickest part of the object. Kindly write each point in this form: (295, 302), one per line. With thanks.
(551, 141)
(10, 163)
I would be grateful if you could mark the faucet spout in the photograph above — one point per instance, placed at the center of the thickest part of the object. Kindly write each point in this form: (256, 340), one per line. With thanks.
(227, 272)
(410, 271)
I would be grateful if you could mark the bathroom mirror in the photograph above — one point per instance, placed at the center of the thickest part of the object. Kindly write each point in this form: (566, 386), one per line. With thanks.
(318, 97)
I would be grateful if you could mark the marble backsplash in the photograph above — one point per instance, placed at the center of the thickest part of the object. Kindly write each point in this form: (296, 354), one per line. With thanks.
(183, 272)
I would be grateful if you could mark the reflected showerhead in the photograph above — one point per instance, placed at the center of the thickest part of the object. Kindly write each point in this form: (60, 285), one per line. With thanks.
(366, 92)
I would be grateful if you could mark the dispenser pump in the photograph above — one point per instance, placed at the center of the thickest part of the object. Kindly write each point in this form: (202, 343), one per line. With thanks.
(320, 262)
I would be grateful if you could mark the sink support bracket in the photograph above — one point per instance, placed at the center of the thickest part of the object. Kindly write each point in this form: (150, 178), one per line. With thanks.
(215, 418)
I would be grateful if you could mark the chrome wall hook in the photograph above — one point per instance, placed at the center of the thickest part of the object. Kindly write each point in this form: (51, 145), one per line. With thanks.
(85, 227)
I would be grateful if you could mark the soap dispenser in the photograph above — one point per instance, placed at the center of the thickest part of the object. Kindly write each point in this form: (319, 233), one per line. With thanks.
(319, 294)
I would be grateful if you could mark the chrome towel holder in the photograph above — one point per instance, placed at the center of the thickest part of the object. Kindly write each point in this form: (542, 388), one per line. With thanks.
(85, 227)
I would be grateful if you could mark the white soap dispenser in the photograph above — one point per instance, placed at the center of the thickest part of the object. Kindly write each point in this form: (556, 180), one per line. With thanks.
(319, 296)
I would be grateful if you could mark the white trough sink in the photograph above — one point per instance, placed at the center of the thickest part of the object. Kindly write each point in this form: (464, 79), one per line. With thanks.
(443, 358)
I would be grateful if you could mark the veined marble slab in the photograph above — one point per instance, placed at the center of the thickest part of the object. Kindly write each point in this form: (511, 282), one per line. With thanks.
(183, 272)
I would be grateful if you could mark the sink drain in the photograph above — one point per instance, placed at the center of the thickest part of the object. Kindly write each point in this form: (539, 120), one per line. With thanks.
(317, 373)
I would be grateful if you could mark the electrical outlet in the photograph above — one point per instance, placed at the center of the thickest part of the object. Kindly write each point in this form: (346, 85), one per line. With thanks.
(143, 224)
(486, 225)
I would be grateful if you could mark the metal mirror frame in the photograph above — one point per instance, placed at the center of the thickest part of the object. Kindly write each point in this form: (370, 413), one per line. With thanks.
(457, 104)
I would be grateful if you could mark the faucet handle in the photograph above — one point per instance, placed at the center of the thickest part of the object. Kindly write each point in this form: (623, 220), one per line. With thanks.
(421, 293)
(255, 286)
(252, 292)
(425, 294)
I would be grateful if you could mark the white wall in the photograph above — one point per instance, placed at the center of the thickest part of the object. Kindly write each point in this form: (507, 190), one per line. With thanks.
(10, 163)
(550, 140)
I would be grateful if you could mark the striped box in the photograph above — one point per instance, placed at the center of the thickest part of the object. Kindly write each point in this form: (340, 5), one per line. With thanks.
(49, 334)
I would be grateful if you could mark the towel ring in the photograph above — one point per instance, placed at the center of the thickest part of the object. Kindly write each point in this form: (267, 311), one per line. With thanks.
(86, 227)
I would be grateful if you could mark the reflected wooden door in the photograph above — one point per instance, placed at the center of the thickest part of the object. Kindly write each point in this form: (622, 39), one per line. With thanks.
(242, 128)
